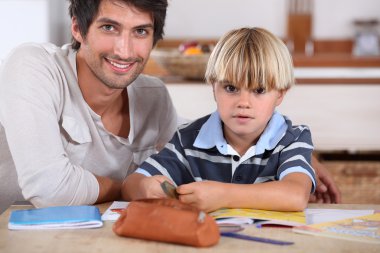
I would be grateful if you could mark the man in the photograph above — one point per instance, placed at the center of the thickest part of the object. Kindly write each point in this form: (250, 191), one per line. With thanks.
(76, 120)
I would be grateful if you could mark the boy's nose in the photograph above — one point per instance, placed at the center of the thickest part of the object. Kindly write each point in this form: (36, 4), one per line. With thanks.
(244, 99)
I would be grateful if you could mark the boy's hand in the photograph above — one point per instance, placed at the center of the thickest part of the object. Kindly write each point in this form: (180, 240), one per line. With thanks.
(138, 186)
(207, 195)
(151, 186)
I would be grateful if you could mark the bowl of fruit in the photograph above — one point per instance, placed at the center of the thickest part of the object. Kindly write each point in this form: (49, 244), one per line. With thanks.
(189, 60)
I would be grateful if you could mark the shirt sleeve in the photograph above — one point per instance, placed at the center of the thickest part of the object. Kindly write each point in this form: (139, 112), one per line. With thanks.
(171, 162)
(30, 107)
(296, 157)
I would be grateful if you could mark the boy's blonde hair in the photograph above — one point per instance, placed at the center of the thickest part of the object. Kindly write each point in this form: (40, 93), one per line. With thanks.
(251, 58)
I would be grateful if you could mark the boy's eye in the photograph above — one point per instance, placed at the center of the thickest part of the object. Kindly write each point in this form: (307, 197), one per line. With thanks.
(260, 90)
(230, 88)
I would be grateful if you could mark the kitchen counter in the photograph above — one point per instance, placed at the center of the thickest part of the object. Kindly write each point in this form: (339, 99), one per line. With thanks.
(319, 68)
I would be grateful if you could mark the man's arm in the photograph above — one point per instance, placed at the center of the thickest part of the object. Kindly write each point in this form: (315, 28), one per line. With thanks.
(109, 190)
(30, 112)
(327, 191)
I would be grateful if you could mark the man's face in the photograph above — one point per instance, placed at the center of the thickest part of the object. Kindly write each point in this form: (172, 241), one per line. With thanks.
(117, 45)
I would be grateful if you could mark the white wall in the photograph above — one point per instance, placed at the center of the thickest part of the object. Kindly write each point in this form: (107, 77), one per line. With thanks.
(338, 117)
(22, 21)
(33, 21)
(211, 18)
(333, 18)
(48, 20)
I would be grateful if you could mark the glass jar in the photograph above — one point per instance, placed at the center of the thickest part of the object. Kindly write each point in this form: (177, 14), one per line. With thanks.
(366, 38)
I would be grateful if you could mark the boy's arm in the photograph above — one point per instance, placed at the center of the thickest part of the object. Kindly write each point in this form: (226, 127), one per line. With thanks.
(139, 186)
(289, 194)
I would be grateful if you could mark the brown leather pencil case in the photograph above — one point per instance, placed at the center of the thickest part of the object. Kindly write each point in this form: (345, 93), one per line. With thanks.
(167, 220)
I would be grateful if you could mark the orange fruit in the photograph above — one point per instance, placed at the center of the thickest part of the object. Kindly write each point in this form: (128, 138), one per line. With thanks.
(193, 51)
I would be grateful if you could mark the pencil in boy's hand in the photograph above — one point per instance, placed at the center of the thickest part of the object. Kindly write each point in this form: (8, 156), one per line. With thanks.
(169, 189)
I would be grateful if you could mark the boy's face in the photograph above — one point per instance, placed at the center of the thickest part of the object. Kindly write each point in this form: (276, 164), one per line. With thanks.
(117, 45)
(245, 113)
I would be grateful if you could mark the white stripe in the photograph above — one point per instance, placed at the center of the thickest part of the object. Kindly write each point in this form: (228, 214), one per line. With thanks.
(143, 172)
(222, 159)
(300, 127)
(205, 156)
(301, 170)
(278, 149)
(264, 179)
(298, 145)
(180, 157)
(160, 168)
(298, 157)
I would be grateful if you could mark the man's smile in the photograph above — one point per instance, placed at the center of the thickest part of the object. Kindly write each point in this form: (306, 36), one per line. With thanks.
(120, 66)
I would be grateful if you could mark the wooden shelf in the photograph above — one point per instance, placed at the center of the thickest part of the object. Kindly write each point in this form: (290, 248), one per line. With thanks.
(335, 60)
(328, 53)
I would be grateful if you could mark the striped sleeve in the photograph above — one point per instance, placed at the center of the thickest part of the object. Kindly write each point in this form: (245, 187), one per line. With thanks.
(296, 157)
(170, 162)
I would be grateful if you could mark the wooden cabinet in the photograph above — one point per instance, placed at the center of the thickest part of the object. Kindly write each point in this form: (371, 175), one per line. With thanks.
(358, 181)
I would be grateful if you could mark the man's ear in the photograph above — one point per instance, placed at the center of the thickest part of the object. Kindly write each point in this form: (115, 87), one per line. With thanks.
(281, 95)
(75, 30)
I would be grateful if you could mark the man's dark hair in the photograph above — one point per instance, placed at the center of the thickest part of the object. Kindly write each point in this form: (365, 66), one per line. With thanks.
(85, 11)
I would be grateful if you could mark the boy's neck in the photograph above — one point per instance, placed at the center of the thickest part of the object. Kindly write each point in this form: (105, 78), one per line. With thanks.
(240, 144)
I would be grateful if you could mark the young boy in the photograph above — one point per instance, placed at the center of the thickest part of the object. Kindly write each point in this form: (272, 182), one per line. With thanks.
(244, 155)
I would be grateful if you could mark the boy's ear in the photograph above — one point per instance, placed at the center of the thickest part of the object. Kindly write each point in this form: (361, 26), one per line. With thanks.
(213, 91)
(281, 95)
(75, 30)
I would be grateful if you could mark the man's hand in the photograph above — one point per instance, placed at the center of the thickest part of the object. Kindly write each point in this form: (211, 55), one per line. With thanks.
(206, 195)
(327, 191)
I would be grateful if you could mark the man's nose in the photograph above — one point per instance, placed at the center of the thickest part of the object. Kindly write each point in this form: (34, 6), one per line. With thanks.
(124, 46)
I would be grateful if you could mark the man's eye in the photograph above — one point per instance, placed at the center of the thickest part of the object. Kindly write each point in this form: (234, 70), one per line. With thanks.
(141, 32)
(230, 88)
(260, 90)
(108, 27)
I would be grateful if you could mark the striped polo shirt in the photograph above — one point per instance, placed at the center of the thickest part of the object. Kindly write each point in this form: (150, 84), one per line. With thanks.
(198, 151)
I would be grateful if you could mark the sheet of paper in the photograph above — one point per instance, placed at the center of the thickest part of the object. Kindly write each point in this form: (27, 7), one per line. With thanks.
(235, 220)
(275, 217)
(363, 229)
(113, 212)
(314, 216)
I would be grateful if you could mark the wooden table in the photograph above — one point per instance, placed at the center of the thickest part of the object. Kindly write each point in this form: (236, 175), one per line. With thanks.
(104, 240)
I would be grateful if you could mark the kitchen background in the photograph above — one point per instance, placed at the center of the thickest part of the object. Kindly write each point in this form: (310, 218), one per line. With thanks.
(47, 20)
(338, 88)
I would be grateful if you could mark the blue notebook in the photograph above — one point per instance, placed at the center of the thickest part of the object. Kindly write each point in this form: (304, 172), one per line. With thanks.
(58, 217)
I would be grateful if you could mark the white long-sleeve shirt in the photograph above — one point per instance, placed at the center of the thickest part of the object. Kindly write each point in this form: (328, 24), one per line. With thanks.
(55, 142)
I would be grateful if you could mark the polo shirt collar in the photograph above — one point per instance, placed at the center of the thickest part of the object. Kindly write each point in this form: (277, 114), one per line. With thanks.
(211, 134)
